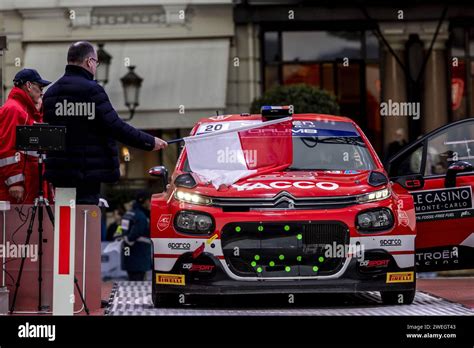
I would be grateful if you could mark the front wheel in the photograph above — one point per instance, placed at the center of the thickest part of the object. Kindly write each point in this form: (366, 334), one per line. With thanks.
(398, 297)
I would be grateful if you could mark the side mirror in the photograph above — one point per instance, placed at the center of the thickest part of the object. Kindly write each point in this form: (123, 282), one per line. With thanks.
(160, 172)
(454, 169)
(411, 182)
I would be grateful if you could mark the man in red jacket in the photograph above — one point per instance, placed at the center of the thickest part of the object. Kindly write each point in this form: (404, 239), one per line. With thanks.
(19, 170)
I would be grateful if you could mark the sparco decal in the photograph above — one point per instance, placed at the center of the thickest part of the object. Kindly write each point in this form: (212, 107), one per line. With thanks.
(304, 185)
(390, 242)
(179, 246)
(446, 203)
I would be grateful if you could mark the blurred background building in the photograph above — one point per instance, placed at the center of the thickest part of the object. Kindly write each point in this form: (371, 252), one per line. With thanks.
(200, 57)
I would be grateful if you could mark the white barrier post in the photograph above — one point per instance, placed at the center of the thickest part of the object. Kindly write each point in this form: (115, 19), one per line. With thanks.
(64, 246)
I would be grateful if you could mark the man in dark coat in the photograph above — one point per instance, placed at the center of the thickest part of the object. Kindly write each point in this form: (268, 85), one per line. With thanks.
(93, 127)
(137, 243)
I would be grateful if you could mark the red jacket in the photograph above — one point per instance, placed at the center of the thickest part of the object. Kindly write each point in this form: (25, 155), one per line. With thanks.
(16, 167)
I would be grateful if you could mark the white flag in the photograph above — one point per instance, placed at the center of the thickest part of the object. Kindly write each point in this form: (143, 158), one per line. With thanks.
(225, 157)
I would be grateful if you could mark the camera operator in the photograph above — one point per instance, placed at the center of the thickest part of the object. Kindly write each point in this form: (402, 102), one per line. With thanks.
(91, 155)
(19, 170)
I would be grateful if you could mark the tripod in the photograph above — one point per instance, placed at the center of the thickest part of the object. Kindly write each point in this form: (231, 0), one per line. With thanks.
(40, 202)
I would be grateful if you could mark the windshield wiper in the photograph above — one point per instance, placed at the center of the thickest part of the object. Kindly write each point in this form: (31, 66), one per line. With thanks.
(333, 140)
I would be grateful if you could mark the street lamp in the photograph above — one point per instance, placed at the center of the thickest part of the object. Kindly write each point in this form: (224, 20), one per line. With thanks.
(104, 58)
(131, 84)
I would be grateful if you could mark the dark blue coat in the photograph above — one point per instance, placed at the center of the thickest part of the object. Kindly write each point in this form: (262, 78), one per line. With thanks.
(138, 257)
(91, 151)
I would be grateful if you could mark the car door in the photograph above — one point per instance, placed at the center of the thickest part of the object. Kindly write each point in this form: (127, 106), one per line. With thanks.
(438, 171)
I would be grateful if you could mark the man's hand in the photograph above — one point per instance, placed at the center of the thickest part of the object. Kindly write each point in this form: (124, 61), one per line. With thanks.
(159, 144)
(16, 192)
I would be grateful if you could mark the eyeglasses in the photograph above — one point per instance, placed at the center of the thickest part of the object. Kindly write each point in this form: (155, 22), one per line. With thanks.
(97, 63)
(37, 86)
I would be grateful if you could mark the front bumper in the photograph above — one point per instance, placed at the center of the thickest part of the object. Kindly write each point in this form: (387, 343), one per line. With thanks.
(351, 281)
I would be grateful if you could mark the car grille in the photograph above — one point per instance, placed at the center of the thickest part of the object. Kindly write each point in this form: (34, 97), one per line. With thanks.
(284, 249)
(283, 200)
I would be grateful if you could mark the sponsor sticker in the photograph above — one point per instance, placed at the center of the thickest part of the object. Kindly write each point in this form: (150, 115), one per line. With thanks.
(303, 185)
(400, 277)
(192, 267)
(446, 203)
(170, 279)
(164, 222)
(390, 242)
(179, 246)
(374, 263)
(403, 218)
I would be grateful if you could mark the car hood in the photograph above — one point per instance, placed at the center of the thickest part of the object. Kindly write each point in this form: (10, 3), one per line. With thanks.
(297, 183)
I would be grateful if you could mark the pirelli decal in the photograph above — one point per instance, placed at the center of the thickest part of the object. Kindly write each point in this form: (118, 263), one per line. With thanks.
(170, 279)
(400, 277)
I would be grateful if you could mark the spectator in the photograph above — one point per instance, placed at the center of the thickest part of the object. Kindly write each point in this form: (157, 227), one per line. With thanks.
(117, 216)
(135, 229)
(19, 170)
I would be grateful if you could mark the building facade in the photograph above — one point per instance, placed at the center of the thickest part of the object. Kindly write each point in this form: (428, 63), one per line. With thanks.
(180, 49)
(391, 65)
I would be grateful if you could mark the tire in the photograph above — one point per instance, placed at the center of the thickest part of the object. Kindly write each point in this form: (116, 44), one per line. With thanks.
(398, 297)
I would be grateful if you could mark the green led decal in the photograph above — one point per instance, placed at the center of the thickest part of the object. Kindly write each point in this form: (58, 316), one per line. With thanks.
(238, 229)
(259, 270)
(281, 257)
(260, 228)
(315, 268)
(272, 263)
(257, 257)
(299, 258)
(253, 263)
(288, 268)
(299, 236)
(286, 228)
(321, 259)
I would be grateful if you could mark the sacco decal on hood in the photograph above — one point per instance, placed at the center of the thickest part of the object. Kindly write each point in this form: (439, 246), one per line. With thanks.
(324, 185)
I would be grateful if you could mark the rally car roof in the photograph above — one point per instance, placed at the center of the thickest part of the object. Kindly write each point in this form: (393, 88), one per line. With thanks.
(240, 117)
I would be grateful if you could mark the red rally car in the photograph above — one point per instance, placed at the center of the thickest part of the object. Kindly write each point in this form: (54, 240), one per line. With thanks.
(331, 222)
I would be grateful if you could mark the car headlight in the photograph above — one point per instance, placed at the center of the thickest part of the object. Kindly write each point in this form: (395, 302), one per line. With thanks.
(374, 220)
(192, 198)
(374, 196)
(193, 222)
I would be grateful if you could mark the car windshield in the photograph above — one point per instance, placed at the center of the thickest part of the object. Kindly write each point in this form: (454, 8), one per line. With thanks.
(328, 146)
(320, 145)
